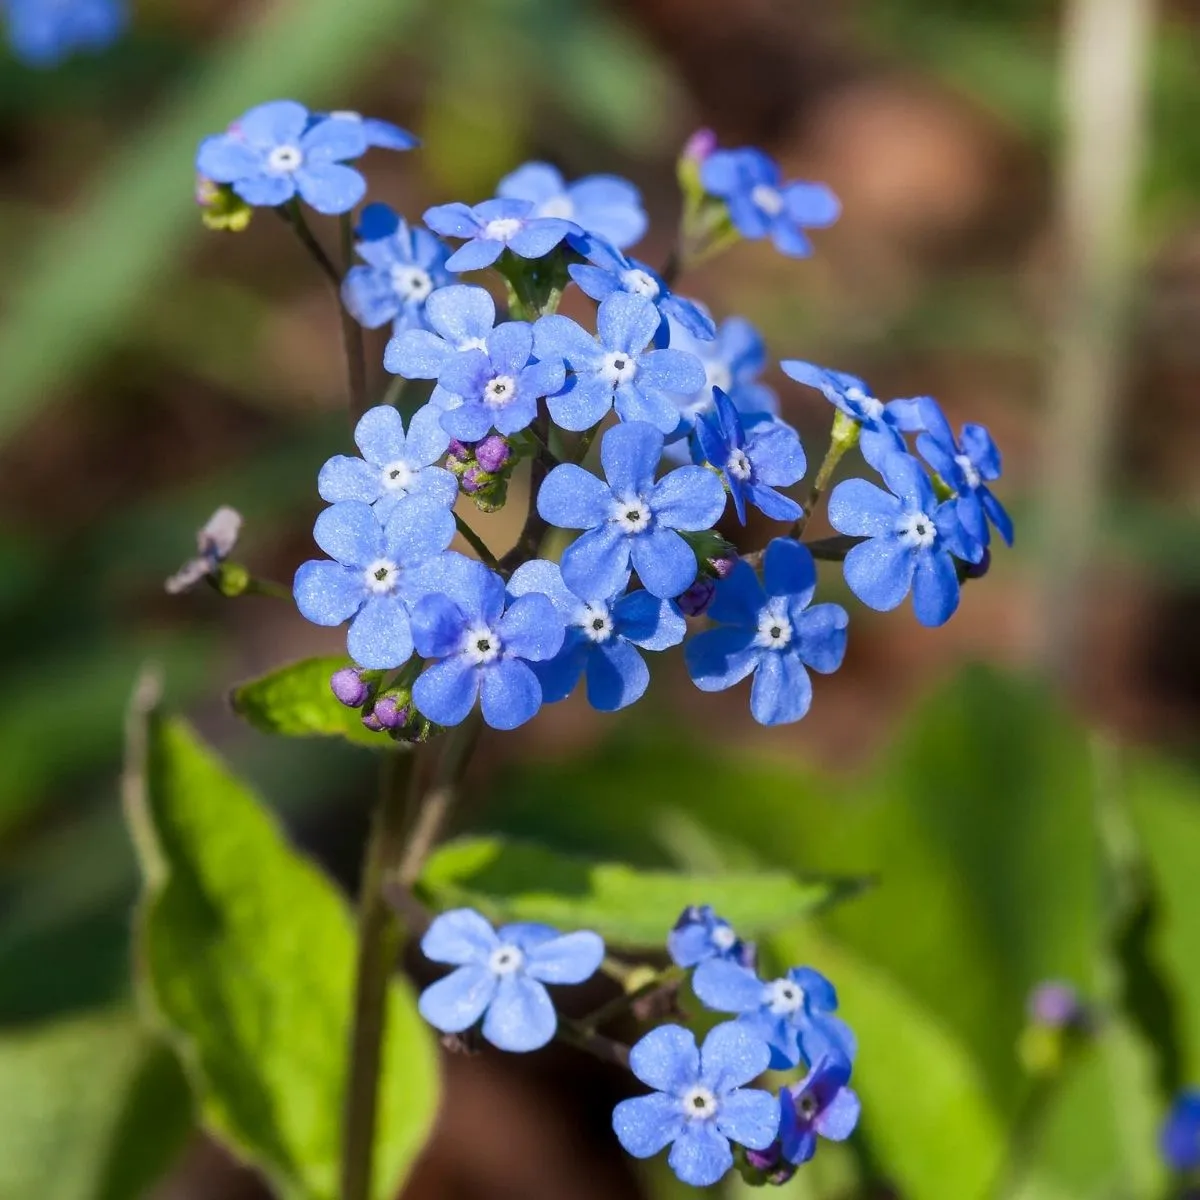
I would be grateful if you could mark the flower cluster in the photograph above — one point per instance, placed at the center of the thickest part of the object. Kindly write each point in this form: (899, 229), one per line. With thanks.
(44, 34)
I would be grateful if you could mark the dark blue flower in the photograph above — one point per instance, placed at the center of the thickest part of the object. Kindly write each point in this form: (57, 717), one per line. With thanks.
(822, 1105)
(631, 518)
(792, 1015)
(42, 33)
(912, 540)
(482, 649)
(393, 464)
(966, 466)
(405, 266)
(700, 934)
(615, 369)
(371, 579)
(610, 271)
(382, 134)
(1179, 1139)
(753, 465)
(501, 976)
(768, 630)
(700, 1103)
(494, 226)
(603, 634)
(276, 151)
(761, 204)
(605, 205)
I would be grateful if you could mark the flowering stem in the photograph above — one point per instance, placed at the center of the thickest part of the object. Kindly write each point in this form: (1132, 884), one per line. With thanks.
(530, 539)
(606, 1049)
(293, 214)
(352, 334)
(476, 542)
(844, 436)
(669, 977)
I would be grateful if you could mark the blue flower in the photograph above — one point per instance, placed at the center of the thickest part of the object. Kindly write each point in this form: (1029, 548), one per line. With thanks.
(912, 541)
(1179, 1138)
(393, 464)
(405, 266)
(632, 518)
(381, 134)
(966, 466)
(792, 1015)
(502, 975)
(482, 649)
(752, 467)
(494, 226)
(602, 636)
(42, 33)
(605, 205)
(615, 368)
(275, 151)
(371, 579)
(820, 1104)
(771, 632)
(498, 386)
(700, 934)
(699, 1104)
(610, 271)
(883, 425)
(760, 204)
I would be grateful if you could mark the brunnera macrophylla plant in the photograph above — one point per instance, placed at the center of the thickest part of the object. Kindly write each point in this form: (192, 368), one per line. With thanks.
(645, 436)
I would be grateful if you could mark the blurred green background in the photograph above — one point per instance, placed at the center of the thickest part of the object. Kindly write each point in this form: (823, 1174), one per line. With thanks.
(1035, 817)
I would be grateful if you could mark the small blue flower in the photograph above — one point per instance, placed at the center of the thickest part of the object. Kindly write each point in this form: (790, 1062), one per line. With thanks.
(371, 577)
(381, 134)
(275, 151)
(1179, 1138)
(820, 1104)
(393, 464)
(753, 465)
(700, 934)
(498, 386)
(771, 632)
(792, 1015)
(405, 266)
(482, 649)
(501, 976)
(761, 204)
(912, 541)
(610, 271)
(494, 226)
(606, 205)
(615, 368)
(631, 518)
(602, 636)
(42, 33)
(699, 1103)
(966, 466)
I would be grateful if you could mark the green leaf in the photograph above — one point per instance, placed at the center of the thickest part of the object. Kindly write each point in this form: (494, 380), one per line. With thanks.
(247, 953)
(90, 1109)
(295, 701)
(631, 908)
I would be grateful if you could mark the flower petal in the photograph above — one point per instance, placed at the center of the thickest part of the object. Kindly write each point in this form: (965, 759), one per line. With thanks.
(510, 693)
(617, 676)
(379, 435)
(521, 1017)
(739, 598)
(700, 1155)
(583, 402)
(645, 1125)
(536, 182)
(596, 563)
(789, 570)
(346, 478)
(934, 587)
(532, 628)
(332, 140)
(266, 191)
(328, 593)
(223, 158)
(610, 208)
(629, 454)
(572, 498)
(569, 958)
(418, 528)
(417, 354)
(349, 532)
(648, 621)
(880, 572)
(459, 936)
(380, 635)
(665, 563)
(540, 576)
(647, 405)
(731, 1056)
(821, 636)
(718, 658)
(330, 188)
(727, 987)
(782, 690)
(539, 236)
(445, 691)
(452, 220)
(688, 498)
(840, 1117)
(749, 1117)
(861, 509)
(666, 1059)
(627, 323)
(458, 1001)
(475, 255)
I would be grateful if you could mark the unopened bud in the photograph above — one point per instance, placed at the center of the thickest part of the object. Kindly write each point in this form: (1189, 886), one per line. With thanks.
(700, 145)
(980, 569)
(474, 479)
(723, 565)
(391, 712)
(493, 453)
(695, 601)
(349, 687)
(462, 451)
(372, 722)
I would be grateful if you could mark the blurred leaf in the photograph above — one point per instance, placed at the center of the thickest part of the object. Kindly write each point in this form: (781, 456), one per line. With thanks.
(514, 881)
(295, 701)
(247, 952)
(91, 1109)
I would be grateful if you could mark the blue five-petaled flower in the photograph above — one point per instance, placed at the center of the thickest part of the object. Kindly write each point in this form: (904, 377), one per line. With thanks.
(494, 226)
(501, 976)
(820, 1104)
(699, 934)
(631, 518)
(42, 33)
(700, 1102)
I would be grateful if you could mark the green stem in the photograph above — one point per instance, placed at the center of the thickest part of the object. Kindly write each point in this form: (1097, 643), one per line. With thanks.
(352, 334)
(268, 587)
(843, 437)
(619, 1005)
(476, 542)
(293, 214)
(530, 538)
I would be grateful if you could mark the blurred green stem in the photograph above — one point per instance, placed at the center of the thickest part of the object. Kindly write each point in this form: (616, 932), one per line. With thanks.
(476, 542)
(352, 334)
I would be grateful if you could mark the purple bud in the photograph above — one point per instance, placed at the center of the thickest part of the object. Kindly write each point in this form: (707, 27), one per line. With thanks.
(372, 722)
(350, 687)
(980, 569)
(1055, 1005)
(474, 480)
(697, 598)
(492, 453)
(764, 1160)
(721, 567)
(700, 145)
(390, 713)
(463, 451)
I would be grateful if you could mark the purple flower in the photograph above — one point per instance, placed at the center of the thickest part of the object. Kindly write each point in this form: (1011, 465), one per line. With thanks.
(494, 226)
(604, 205)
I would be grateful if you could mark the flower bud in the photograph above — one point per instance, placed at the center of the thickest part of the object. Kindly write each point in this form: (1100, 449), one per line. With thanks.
(349, 687)
(474, 480)
(723, 564)
(980, 569)
(391, 712)
(700, 145)
(461, 451)
(493, 453)
(698, 597)
(372, 722)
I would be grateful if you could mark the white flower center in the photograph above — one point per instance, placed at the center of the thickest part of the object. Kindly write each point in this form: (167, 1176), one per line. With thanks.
(723, 937)
(916, 530)
(970, 474)
(871, 408)
(640, 283)
(618, 368)
(631, 513)
(345, 114)
(398, 477)
(595, 621)
(767, 199)
(481, 645)
(381, 576)
(501, 229)
(784, 997)
(412, 283)
(285, 159)
(739, 465)
(499, 391)
(699, 1104)
(474, 343)
(506, 960)
(558, 206)
(774, 630)
(717, 374)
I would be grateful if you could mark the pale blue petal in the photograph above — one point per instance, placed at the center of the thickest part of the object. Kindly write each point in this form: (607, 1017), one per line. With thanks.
(840, 1117)
(543, 577)
(445, 692)
(427, 440)
(700, 1155)
(811, 204)
(665, 563)
(521, 1017)
(536, 182)
(418, 528)
(666, 1059)
(719, 658)
(670, 371)
(645, 1125)
(537, 238)
(789, 239)
(597, 561)
(349, 532)
(999, 516)
(370, 297)
(821, 636)
(819, 994)
(532, 628)
(782, 690)
(688, 498)
(789, 570)
(510, 693)
(749, 1117)
(861, 509)
(627, 322)
(438, 625)
(584, 401)
(905, 476)
(461, 313)
(266, 191)
(527, 935)
(380, 636)
(570, 958)
(880, 572)
(556, 336)
(572, 498)
(379, 435)
(332, 140)
(277, 121)
(630, 454)
(509, 346)
(541, 379)
(977, 444)
(330, 188)
(634, 402)
(934, 587)
(469, 422)
(725, 986)
(474, 255)
(739, 597)
(610, 208)
(452, 220)
(648, 621)
(458, 937)
(617, 676)
(455, 1003)
(417, 354)
(452, 575)
(777, 455)
(772, 504)
(346, 478)
(559, 676)
(223, 158)
(594, 282)
(328, 593)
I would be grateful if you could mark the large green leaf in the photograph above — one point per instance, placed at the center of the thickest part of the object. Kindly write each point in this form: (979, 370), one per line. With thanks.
(247, 953)
(90, 1109)
(631, 908)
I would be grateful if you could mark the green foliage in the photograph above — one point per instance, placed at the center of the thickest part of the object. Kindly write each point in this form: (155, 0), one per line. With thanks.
(630, 908)
(247, 954)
